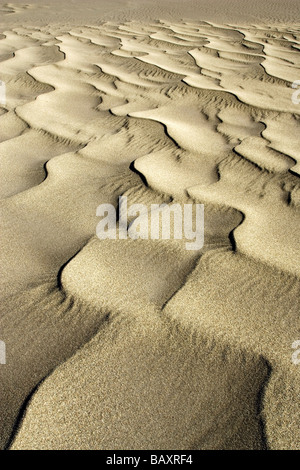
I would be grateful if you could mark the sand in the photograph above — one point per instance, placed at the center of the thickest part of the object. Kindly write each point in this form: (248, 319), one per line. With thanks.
(143, 344)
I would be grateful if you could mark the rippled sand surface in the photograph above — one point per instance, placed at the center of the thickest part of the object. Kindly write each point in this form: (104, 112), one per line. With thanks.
(142, 344)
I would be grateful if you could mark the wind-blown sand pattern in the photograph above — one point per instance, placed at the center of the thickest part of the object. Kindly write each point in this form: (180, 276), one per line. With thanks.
(142, 344)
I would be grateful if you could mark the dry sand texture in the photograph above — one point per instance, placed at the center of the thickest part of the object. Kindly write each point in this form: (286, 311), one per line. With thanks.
(141, 344)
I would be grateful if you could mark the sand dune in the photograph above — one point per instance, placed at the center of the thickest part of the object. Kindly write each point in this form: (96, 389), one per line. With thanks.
(142, 344)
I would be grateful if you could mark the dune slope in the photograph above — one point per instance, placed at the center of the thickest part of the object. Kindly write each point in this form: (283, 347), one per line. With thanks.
(141, 344)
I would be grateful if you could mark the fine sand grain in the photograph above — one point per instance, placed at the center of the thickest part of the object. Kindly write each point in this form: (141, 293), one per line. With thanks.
(143, 344)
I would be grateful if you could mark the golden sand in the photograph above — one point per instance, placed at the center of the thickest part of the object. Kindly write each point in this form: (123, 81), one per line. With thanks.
(142, 344)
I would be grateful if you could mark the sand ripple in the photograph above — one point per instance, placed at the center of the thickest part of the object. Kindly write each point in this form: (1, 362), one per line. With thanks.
(177, 346)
